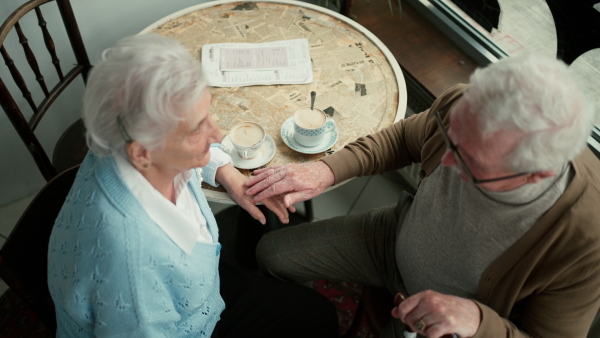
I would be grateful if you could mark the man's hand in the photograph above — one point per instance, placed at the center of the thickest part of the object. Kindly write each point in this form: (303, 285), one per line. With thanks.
(435, 315)
(294, 182)
(233, 181)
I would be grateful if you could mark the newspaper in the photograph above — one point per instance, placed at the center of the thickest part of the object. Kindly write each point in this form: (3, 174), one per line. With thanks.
(354, 80)
(248, 64)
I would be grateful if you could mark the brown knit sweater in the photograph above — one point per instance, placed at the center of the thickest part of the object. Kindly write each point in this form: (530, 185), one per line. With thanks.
(545, 285)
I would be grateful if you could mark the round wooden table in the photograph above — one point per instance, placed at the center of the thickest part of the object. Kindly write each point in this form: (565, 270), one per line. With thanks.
(355, 76)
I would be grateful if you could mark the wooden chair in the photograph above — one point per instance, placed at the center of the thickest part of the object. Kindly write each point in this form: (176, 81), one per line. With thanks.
(24, 255)
(71, 147)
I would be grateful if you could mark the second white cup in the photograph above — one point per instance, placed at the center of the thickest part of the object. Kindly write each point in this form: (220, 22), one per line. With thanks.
(311, 126)
(247, 138)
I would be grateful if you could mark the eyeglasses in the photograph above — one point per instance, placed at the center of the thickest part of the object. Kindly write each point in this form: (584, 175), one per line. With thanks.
(461, 164)
(123, 131)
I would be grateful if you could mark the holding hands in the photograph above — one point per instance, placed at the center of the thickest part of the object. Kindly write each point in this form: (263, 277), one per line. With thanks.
(233, 181)
(428, 313)
(438, 315)
(294, 182)
(277, 187)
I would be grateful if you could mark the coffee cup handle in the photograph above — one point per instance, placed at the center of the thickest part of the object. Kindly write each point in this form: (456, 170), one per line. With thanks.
(244, 154)
(329, 125)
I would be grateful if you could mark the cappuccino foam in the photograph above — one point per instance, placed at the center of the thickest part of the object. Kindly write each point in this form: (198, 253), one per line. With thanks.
(247, 135)
(309, 118)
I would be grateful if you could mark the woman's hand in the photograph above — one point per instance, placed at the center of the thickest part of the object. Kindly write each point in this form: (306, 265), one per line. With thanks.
(435, 315)
(294, 182)
(233, 181)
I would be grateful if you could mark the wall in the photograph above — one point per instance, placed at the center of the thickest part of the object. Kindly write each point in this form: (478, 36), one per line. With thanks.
(102, 24)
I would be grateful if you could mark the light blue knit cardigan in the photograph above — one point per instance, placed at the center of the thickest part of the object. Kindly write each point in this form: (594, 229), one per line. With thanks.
(113, 272)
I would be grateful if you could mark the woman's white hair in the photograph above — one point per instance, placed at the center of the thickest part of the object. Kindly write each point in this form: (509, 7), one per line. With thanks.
(148, 84)
(538, 99)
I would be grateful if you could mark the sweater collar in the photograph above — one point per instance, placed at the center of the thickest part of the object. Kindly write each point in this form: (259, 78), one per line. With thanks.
(181, 225)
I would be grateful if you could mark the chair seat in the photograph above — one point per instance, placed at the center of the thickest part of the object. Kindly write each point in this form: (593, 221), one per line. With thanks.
(71, 148)
(24, 255)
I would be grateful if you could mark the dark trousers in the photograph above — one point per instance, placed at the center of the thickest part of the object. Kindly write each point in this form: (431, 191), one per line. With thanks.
(357, 248)
(258, 306)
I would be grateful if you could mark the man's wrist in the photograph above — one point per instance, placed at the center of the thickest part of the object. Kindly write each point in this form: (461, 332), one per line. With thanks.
(328, 177)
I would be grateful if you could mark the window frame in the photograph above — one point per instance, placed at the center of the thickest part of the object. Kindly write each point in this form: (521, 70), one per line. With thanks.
(474, 43)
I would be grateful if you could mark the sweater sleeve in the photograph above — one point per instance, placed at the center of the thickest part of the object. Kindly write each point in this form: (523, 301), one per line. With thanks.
(218, 158)
(129, 296)
(551, 314)
(394, 147)
(560, 297)
(492, 325)
(112, 272)
(100, 285)
(162, 293)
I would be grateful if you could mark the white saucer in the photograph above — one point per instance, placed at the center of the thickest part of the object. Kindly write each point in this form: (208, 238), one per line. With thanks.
(265, 153)
(287, 134)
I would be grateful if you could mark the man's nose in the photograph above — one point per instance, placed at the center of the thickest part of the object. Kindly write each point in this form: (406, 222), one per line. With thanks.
(448, 158)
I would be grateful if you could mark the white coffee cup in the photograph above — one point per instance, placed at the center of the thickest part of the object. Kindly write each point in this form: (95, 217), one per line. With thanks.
(247, 138)
(311, 126)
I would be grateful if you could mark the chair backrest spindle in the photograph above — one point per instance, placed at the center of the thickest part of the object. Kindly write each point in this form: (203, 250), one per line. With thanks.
(21, 125)
(64, 156)
(49, 43)
(31, 58)
(16, 75)
(66, 11)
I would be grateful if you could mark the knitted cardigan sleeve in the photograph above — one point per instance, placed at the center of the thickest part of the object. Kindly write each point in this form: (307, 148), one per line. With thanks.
(218, 158)
(113, 272)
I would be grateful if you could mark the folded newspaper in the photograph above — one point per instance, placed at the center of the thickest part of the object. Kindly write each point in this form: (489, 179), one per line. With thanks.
(248, 64)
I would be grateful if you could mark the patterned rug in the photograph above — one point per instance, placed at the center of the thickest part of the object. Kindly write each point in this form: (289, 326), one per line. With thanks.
(345, 297)
(18, 320)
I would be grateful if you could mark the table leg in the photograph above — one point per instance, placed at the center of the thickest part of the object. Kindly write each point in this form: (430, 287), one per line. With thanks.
(308, 211)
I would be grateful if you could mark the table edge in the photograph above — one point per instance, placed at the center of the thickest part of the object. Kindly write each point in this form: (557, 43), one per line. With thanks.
(223, 197)
(402, 100)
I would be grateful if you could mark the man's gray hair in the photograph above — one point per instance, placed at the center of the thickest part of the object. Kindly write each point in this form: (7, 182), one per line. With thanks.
(536, 97)
(146, 83)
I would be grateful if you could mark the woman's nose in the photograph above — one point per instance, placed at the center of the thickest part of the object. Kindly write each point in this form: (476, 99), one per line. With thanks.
(214, 132)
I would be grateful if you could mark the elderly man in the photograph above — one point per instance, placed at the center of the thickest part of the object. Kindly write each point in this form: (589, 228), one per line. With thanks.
(501, 240)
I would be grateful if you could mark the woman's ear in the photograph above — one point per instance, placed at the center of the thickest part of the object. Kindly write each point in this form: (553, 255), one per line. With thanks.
(139, 156)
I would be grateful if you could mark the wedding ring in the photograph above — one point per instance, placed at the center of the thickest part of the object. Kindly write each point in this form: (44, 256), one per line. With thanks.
(421, 325)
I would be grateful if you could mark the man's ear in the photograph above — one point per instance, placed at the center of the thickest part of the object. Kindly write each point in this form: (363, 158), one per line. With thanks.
(540, 175)
(139, 156)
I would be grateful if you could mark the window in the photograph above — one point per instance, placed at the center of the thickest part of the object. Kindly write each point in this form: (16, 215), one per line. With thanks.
(489, 30)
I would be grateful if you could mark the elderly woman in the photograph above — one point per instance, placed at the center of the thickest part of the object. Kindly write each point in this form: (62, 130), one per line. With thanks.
(135, 251)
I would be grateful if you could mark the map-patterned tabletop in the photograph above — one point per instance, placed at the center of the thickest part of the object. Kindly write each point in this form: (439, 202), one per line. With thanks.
(357, 80)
